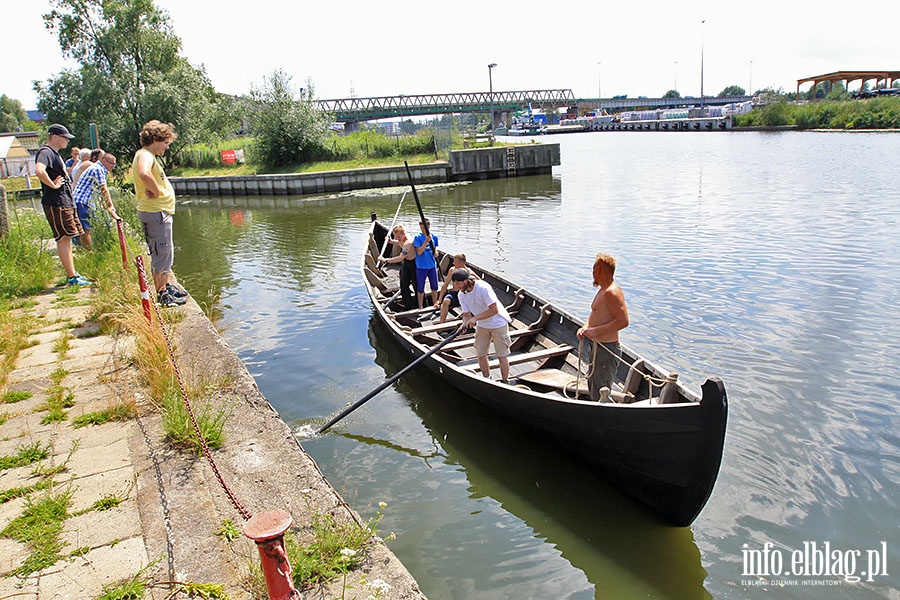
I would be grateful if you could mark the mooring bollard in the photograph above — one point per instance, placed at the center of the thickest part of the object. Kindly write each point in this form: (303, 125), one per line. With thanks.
(142, 280)
(267, 530)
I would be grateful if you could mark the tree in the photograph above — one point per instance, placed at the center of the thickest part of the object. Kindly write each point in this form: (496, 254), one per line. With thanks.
(12, 116)
(672, 94)
(732, 90)
(289, 128)
(131, 72)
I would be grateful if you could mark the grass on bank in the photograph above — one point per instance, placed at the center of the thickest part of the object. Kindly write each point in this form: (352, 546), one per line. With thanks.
(115, 306)
(871, 113)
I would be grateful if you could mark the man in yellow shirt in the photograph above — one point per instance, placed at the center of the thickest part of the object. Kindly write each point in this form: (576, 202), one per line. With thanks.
(156, 207)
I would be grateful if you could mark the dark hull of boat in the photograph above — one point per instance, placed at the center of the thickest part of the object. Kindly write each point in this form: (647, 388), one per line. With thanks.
(665, 456)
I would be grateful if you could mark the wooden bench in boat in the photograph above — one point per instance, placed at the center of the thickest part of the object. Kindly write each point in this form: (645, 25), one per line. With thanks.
(469, 341)
(557, 380)
(564, 382)
(516, 359)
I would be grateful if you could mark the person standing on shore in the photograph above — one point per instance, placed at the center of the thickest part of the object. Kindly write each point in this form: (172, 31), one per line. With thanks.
(56, 199)
(609, 315)
(92, 184)
(156, 208)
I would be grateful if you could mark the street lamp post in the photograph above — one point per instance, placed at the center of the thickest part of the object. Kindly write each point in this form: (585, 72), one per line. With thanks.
(701, 61)
(491, 94)
(599, 93)
(750, 88)
(676, 76)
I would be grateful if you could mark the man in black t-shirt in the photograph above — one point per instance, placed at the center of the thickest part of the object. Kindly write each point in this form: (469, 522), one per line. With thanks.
(59, 207)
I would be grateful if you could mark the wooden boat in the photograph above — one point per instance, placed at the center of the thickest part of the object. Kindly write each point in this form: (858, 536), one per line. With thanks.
(655, 440)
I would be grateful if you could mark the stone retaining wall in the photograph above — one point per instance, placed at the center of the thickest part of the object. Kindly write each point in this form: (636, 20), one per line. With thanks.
(464, 165)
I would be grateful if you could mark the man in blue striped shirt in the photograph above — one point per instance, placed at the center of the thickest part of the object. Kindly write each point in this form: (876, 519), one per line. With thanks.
(93, 182)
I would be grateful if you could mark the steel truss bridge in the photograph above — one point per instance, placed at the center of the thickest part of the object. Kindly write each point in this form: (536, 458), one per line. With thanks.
(354, 110)
(384, 107)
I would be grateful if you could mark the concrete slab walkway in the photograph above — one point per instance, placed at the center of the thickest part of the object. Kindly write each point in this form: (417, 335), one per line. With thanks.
(135, 505)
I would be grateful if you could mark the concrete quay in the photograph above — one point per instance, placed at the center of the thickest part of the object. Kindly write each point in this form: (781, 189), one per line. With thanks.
(464, 165)
(136, 505)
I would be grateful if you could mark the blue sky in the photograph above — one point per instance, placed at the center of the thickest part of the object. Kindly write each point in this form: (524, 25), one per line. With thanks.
(406, 47)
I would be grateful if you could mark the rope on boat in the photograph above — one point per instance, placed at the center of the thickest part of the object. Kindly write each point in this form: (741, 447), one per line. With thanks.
(651, 381)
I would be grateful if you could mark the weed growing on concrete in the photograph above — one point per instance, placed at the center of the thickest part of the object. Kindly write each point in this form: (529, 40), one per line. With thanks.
(39, 527)
(49, 472)
(107, 502)
(68, 296)
(177, 424)
(13, 397)
(18, 492)
(4, 418)
(132, 588)
(25, 455)
(61, 345)
(334, 549)
(14, 330)
(58, 375)
(121, 411)
(229, 531)
(59, 398)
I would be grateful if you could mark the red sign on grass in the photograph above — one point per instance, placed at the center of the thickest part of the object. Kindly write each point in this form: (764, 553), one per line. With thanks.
(228, 157)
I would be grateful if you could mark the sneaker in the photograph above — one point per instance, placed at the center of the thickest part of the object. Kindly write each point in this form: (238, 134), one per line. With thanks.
(77, 279)
(166, 299)
(177, 291)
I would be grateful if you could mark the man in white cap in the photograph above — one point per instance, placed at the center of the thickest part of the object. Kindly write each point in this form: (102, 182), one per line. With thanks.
(482, 309)
(56, 199)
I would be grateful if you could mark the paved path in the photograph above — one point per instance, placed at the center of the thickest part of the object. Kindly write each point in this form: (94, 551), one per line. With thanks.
(169, 505)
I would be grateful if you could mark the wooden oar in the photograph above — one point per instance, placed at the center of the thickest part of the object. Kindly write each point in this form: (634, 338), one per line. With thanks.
(381, 387)
(421, 214)
(391, 228)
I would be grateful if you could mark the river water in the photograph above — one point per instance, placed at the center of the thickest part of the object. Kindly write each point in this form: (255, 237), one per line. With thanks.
(770, 260)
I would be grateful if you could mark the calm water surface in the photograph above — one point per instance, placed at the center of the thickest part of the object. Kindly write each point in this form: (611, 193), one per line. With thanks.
(769, 260)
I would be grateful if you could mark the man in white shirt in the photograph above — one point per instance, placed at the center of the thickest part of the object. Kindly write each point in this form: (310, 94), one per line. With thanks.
(482, 309)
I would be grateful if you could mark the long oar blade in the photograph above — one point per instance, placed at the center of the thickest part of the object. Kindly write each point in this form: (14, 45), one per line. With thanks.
(388, 382)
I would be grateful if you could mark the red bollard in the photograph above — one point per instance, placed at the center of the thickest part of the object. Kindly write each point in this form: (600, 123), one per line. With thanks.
(267, 530)
(122, 243)
(142, 280)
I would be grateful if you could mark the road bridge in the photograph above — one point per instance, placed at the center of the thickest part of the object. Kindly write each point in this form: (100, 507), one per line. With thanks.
(349, 110)
(354, 110)
(586, 105)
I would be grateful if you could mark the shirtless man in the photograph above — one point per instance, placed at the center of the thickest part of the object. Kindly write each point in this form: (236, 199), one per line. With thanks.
(407, 258)
(609, 314)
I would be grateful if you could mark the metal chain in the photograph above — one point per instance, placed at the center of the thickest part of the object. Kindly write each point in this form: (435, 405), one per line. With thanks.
(203, 446)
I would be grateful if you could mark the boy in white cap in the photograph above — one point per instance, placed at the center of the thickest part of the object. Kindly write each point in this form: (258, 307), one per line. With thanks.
(482, 309)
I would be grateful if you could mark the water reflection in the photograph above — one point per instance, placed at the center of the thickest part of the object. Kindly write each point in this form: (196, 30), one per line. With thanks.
(768, 260)
(595, 529)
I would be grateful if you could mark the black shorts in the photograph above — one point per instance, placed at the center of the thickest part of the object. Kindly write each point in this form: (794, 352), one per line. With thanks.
(453, 295)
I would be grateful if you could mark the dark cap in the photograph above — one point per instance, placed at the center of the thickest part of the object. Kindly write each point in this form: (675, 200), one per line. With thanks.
(461, 275)
(57, 129)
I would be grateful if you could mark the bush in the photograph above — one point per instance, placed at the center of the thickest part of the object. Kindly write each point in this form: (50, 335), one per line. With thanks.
(288, 130)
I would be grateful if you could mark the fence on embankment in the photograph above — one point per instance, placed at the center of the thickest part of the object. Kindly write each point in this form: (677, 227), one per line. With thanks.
(464, 165)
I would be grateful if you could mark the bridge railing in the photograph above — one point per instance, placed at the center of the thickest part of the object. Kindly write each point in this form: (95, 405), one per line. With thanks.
(381, 107)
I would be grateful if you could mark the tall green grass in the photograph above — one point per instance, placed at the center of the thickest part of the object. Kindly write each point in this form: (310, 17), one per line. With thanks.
(872, 113)
(28, 265)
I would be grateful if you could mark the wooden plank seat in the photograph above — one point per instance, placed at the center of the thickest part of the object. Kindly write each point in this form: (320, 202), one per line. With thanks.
(564, 382)
(557, 380)
(449, 324)
(470, 339)
(524, 357)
